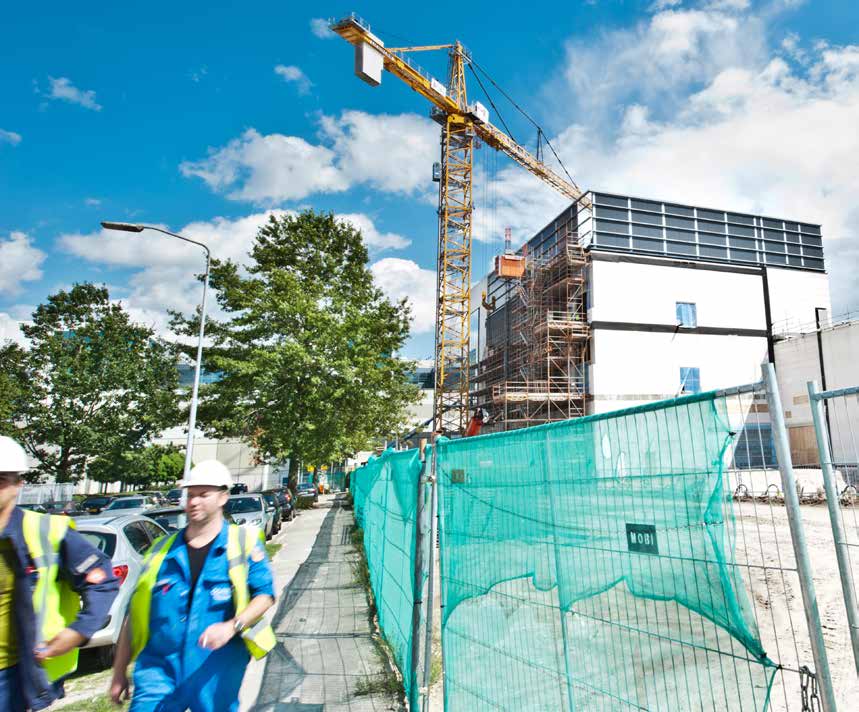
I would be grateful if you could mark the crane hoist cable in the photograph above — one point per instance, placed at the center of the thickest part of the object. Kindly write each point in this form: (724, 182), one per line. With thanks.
(522, 111)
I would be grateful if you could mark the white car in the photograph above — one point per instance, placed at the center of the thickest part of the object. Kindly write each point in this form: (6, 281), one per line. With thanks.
(252, 510)
(132, 504)
(125, 539)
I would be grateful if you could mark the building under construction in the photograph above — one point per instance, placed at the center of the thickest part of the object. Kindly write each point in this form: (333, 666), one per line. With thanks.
(532, 364)
(629, 301)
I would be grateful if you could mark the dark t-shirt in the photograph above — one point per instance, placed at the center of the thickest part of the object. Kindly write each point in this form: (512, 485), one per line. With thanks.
(196, 559)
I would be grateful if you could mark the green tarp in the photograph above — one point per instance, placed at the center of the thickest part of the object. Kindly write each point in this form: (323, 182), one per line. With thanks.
(588, 565)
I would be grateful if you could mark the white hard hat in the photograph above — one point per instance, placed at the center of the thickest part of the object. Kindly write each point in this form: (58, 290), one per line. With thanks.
(12, 456)
(208, 472)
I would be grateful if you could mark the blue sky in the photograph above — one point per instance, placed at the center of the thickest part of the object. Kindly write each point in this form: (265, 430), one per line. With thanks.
(204, 117)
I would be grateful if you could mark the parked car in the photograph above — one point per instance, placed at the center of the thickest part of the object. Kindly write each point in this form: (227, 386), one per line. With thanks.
(307, 491)
(174, 518)
(157, 497)
(287, 511)
(95, 503)
(69, 508)
(131, 504)
(272, 501)
(252, 510)
(174, 496)
(125, 539)
(35, 506)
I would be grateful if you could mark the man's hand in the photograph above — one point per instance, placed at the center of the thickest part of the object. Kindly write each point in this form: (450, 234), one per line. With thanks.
(217, 635)
(119, 688)
(64, 641)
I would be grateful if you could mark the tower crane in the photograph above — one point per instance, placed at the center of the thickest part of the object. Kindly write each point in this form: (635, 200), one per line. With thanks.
(461, 122)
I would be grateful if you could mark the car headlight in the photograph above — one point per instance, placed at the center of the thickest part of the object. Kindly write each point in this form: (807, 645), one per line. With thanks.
(239, 521)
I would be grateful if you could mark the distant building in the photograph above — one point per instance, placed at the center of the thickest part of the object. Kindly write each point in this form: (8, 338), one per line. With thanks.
(826, 352)
(635, 301)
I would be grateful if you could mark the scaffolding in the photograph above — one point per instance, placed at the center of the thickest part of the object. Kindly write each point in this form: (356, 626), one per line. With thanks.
(533, 366)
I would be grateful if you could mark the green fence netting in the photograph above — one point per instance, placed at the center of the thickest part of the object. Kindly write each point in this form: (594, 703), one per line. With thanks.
(588, 565)
(384, 494)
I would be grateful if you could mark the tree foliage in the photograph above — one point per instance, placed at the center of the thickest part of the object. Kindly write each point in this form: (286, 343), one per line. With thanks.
(306, 353)
(151, 466)
(93, 385)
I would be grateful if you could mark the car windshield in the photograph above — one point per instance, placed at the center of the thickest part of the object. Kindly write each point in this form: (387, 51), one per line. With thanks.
(96, 501)
(270, 498)
(103, 541)
(243, 504)
(174, 493)
(127, 503)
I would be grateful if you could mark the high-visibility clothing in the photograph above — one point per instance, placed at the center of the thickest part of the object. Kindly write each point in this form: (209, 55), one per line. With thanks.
(55, 602)
(259, 638)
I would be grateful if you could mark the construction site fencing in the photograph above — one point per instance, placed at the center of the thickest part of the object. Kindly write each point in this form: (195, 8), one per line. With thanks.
(652, 558)
(836, 423)
(385, 495)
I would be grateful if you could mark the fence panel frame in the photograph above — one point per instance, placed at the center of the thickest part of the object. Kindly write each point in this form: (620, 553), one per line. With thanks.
(817, 399)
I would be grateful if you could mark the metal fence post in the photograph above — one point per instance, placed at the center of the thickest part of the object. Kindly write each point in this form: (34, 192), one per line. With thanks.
(418, 582)
(430, 599)
(838, 533)
(797, 536)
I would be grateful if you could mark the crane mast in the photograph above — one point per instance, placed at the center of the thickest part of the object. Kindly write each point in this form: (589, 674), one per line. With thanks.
(460, 124)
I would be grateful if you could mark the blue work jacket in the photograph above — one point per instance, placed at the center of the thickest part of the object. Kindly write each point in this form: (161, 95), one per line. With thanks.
(173, 672)
(78, 558)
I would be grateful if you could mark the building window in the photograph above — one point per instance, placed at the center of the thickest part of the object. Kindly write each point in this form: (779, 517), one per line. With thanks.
(690, 379)
(687, 315)
(754, 448)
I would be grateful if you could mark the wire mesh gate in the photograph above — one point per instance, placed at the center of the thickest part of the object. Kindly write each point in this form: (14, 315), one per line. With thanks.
(652, 559)
(836, 425)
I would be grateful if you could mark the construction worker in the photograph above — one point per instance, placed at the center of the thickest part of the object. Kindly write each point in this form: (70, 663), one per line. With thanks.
(56, 590)
(195, 615)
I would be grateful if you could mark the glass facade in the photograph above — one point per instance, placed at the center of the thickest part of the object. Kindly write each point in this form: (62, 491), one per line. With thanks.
(650, 227)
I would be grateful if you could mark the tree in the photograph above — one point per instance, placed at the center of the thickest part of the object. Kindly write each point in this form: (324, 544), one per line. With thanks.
(306, 354)
(13, 386)
(95, 385)
(151, 466)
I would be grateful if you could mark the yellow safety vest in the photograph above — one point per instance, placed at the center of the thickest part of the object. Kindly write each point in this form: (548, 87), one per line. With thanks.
(259, 638)
(55, 603)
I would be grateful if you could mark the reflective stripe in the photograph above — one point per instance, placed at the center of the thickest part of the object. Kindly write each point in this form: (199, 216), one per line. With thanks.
(55, 603)
(141, 599)
(42, 587)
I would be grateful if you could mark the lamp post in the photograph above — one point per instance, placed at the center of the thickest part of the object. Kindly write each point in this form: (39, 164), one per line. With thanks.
(192, 416)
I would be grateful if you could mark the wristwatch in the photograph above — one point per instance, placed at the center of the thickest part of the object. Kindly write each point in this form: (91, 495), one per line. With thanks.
(238, 626)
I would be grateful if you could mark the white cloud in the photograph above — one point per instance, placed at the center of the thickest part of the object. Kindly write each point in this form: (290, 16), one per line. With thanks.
(294, 75)
(61, 88)
(92, 202)
(399, 278)
(657, 62)
(392, 153)
(10, 330)
(10, 137)
(373, 238)
(268, 169)
(319, 27)
(165, 267)
(20, 262)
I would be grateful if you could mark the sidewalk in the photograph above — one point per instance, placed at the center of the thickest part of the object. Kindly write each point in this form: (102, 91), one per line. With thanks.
(322, 625)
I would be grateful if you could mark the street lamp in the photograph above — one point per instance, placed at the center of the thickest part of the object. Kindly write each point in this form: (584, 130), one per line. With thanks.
(192, 416)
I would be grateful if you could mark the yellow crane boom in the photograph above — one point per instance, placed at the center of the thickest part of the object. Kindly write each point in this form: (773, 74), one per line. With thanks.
(461, 123)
